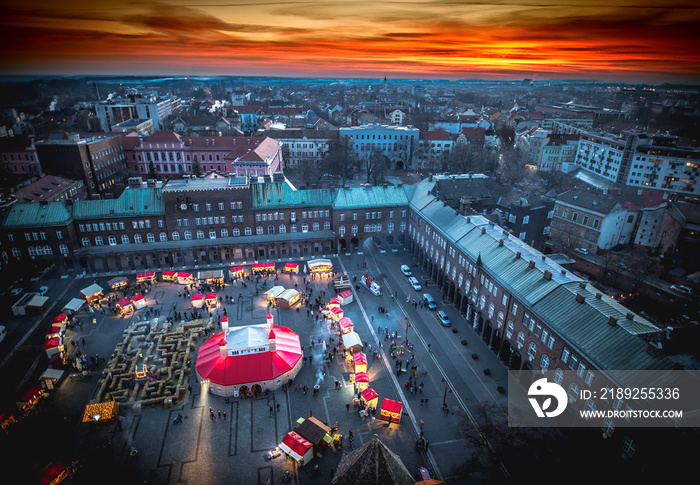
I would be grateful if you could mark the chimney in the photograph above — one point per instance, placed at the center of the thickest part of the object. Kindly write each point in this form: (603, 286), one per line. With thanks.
(469, 219)
(547, 275)
(563, 272)
(598, 296)
(531, 264)
(612, 321)
(580, 298)
(629, 316)
(654, 349)
(483, 230)
(500, 243)
(582, 285)
(544, 257)
(517, 255)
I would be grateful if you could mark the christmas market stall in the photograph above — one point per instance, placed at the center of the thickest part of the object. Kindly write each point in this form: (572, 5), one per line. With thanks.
(185, 279)
(291, 268)
(297, 448)
(143, 277)
(369, 398)
(55, 331)
(139, 301)
(360, 361)
(345, 297)
(346, 325)
(102, 412)
(73, 306)
(55, 350)
(288, 298)
(315, 432)
(124, 306)
(49, 379)
(320, 266)
(236, 272)
(31, 399)
(274, 292)
(60, 319)
(92, 293)
(337, 313)
(263, 268)
(391, 410)
(334, 302)
(211, 277)
(361, 380)
(211, 299)
(197, 300)
(117, 283)
(169, 275)
(352, 342)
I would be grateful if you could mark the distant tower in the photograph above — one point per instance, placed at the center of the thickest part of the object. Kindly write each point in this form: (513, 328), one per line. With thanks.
(385, 82)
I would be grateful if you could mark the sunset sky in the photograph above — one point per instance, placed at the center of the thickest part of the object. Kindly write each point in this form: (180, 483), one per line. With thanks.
(621, 40)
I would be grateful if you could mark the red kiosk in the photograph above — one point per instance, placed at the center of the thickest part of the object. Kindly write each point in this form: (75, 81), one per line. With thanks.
(141, 277)
(346, 325)
(169, 275)
(291, 268)
(391, 410)
(297, 448)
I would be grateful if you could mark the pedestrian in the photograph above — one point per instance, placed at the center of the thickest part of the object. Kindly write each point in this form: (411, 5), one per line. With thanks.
(224, 414)
(421, 424)
(425, 446)
(278, 408)
(347, 407)
(426, 398)
(219, 414)
(421, 403)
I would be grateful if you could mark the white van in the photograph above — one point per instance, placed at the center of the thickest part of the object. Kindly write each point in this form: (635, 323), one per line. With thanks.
(406, 270)
(429, 301)
(414, 283)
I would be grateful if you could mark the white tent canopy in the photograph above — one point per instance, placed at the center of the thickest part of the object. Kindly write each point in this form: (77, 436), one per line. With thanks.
(275, 291)
(288, 295)
(73, 305)
(38, 301)
(91, 290)
(352, 342)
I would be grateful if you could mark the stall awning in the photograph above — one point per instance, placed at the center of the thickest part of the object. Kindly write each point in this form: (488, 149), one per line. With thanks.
(361, 377)
(360, 358)
(52, 374)
(38, 301)
(288, 295)
(336, 310)
(295, 445)
(351, 340)
(73, 305)
(169, 273)
(391, 406)
(210, 274)
(275, 291)
(124, 302)
(291, 265)
(197, 296)
(91, 290)
(334, 301)
(137, 298)
(345, 322)
(62, 318)
(118, 280)
(370, 394)
(211, 296)
(184, 275)
(236, 269)
(345, 294)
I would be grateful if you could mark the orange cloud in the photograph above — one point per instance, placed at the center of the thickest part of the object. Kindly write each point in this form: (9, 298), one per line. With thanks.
(442, 38)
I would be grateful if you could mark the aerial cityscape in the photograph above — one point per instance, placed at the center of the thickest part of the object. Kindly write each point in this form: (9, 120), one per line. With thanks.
(365, 243)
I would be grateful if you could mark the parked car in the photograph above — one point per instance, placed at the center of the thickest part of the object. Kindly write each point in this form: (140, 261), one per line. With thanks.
(443, 318)
(414, 283)
(581, 250)
(429, 301)
(406, 270)
(681, 289)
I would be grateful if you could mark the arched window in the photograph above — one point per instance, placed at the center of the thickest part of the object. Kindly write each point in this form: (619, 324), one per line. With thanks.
(200, 234)
(532, 351)
(353, 229)
(500, 319)
(86, 241)
(99, 241)
(188, 235)
(224, 233)
(492, 309)
(316, 226)
(63, 248)
(521, 339)
(304, 227)
(212, 234)
(558, 376)
(259, 230)
(112, 240)
(248, 231)
(544, 363)
(125, 239)
(236, 231)
(163, 236)
(270, 229)
(137, 238)
(150, 237)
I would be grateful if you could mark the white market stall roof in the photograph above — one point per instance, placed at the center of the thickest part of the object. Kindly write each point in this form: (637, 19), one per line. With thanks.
(91, 290)
(288, 294)
(210, 274)
(275, 291)
(319, 262)
(52, 374)
(38, 301)
(351, 339)
(74, 305)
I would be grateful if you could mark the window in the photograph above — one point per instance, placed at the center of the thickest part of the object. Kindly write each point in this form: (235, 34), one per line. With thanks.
(304, 227)
(150, 237)
(573, 392)
(544, 362)
(608, 427)
(538, 330)
(270, 229)
(544, 336)
(499, 319)
(589, 378)
(532, 351)
(326, 226)
(200, 234)
(125, 239)
(137, 238)
(259, 230)
(565, 355)
(63, 249)
(492, 309)
(282, 229)
(221, 206)
(248, 231)
(99, 241)
(629, 447)
(212, 234)
(521, 339)
(316, 226)
(558, 376)
(163, 237)
(236, 231)
(550, 343)
(596, 223)
(509, 329)
(573, 362)
(208, 205)
(112, 240)
(188, 235)
(515, 309)
(175, 236)
(581, 369)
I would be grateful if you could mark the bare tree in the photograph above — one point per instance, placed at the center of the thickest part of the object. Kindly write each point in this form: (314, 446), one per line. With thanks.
(469, 158)
(340, 160)
(375, 165)
(512, 167)
(308, 171)
(641, 267)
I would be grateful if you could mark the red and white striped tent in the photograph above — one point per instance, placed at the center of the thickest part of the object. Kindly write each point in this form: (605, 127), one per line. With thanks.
(297, 448)
(197, 300)
(139, 301)
(346, 325)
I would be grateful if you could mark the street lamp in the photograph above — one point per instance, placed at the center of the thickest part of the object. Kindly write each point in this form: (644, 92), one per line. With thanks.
(408, 324)
(444, 397)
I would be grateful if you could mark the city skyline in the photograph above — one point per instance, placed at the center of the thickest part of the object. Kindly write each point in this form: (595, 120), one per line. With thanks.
(639, 41)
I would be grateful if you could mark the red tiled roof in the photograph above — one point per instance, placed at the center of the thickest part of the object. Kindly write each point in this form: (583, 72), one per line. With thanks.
(435, 135)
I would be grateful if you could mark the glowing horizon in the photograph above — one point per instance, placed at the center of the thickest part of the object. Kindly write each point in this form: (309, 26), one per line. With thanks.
(622, 40)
